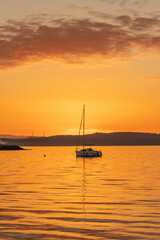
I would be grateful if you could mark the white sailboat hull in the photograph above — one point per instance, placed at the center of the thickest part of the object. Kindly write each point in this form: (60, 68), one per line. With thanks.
(88, 153)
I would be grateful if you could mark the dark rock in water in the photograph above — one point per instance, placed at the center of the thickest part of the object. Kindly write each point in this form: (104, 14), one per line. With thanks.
(10, 147)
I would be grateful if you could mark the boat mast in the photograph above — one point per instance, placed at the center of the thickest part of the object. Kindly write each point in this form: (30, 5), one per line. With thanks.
(83, 124)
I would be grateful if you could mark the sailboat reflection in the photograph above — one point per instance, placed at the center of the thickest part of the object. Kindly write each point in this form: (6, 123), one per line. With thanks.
(84, 191)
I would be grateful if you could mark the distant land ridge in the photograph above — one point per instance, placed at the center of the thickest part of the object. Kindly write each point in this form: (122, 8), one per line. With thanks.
(99, 139)
(4, 147)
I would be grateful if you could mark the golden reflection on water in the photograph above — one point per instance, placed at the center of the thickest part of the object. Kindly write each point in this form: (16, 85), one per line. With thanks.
(61, 197)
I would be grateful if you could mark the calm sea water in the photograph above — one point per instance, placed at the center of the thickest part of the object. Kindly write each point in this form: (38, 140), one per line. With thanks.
(61, 197)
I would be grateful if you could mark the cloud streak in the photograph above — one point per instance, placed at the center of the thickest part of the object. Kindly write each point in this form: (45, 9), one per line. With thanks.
(122, 3)
(76, 40)
(152, 78)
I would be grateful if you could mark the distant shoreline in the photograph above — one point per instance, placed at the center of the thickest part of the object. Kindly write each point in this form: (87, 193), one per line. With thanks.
(98, 139)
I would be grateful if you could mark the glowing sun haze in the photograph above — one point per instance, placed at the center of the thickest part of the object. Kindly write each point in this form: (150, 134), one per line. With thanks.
(57, 55)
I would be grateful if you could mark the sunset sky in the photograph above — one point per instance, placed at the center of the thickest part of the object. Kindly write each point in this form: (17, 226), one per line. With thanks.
(56, 55)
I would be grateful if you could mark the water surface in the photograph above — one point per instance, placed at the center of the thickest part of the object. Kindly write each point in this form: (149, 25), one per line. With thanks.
(61, 197)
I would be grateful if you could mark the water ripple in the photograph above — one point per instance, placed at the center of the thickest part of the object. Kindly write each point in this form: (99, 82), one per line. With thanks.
(115, 197)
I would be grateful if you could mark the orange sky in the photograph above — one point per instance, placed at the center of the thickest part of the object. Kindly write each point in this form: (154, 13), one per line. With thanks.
(50, 65)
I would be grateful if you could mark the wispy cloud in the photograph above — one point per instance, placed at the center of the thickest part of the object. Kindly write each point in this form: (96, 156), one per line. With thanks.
(76, 40)
(122, 3)
(99, 14)
(140, 23)
(152, 78)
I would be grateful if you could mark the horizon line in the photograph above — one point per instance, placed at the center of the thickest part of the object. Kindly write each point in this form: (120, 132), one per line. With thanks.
(36, 136)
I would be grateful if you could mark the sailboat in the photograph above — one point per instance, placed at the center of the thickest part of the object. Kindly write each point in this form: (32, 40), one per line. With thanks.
(85, 152)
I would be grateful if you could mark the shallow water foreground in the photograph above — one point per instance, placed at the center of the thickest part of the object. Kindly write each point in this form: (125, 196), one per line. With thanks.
(61, 197)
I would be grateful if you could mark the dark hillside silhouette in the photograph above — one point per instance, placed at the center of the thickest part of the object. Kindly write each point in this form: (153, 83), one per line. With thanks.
(99, 139)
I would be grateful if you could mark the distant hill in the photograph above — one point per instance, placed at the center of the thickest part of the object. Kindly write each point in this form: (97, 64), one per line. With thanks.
(10, 136)
(99, 139)
(7, 136)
